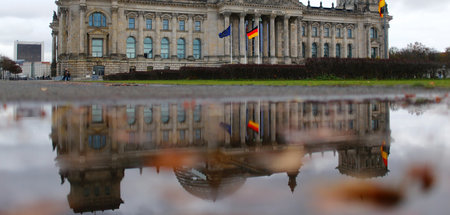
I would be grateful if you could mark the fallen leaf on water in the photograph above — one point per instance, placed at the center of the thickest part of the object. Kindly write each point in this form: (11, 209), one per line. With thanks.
(43, 89)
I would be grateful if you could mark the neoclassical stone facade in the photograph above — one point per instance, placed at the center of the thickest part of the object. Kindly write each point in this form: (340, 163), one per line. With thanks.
(111, 36)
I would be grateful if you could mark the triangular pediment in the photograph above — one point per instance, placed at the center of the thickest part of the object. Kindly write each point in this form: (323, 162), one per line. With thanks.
(97, 31)
(280, 3)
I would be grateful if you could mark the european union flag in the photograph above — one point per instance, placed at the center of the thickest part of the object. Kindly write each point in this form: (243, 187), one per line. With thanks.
(225, 33)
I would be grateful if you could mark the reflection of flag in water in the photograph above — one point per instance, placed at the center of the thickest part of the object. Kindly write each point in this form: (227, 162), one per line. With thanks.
(226, 127)
(254, 126)
(384, 153)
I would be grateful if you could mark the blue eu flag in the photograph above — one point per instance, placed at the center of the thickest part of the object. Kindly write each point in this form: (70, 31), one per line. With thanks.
(225, 33)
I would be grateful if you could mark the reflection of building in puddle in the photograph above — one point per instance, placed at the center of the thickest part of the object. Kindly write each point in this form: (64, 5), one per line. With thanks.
(21, 112)
(96, 143)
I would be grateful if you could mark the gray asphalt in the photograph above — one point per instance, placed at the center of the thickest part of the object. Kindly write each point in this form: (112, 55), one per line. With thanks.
(86, 92)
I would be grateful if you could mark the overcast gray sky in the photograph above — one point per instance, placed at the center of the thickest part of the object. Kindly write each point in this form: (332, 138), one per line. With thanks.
(414, 20)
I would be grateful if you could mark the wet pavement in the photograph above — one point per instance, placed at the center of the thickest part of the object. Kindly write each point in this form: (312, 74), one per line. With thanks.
(294, 150)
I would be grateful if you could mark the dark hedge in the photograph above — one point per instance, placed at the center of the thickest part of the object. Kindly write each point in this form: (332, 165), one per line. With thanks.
(315, 68)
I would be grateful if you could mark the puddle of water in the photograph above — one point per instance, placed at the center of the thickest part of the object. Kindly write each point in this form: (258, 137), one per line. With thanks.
(235, 157)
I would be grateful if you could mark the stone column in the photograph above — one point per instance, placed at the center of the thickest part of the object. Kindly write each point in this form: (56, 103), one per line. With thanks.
(272, 39)
(369, 50)
(243, 121)
(227, 39)
(279, 38)
(140, 39)
(265, 38)
(287, 59)
(114, 29)
(82, 29)
(299, 37)
(257, 110)
(242, 36)
(257, 43)
(308, 42)
(294, 39)
(190, 45)
(54, 47)
(386, 41)
(320, 46)
(345, 52)
(273, 125)
(61, 36)
(333, 41)
(157, 43)
(173, 44)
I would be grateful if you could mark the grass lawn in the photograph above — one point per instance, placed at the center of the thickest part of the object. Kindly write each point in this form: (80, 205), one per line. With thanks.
(419, 83)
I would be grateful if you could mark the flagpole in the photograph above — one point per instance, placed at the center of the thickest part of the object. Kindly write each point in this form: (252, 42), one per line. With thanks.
(259, 41)
(385, 34)
(246, 42)
(231, 47)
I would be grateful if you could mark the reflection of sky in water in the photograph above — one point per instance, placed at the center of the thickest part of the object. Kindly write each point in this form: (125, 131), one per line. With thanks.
(28, 174)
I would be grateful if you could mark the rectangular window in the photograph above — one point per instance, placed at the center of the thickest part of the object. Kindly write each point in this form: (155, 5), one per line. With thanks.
(303, 50)
(314, 31)
(374, 124)
(338, 33)
(148, 24)
(374, 53)
(165, 24)
(303, 31)
(198, 134)
(97, 48)
(182, 135)
(131, 23)
(338, 50)
(165, 136)
(327, 32)
(198, 26)
(97, 113)
(349, 33)
(181, 27)
(349, 51)
(350, 124)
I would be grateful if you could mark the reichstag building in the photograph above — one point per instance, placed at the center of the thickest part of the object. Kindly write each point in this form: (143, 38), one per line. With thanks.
(111, 36)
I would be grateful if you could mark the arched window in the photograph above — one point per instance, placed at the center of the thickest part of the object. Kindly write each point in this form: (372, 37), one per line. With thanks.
(148, 114)
(338, 50)
(373, 33)
(97, 19)
(326, 50)
(314, 50)
(131, 47)
(131, 114)
(165, 48)
(148, 47)
(197, 49)
(181, 47)
(165, 115)
(181, 113)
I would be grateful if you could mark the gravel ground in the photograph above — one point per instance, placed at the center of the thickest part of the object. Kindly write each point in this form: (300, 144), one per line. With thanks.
(85, 92)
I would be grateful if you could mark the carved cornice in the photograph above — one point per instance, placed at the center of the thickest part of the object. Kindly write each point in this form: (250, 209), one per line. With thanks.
(83, 7)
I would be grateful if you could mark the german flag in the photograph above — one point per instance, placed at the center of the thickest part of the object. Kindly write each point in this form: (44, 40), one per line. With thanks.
(384, 153)
(382, 8)
(253, 33)
(254, 126)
